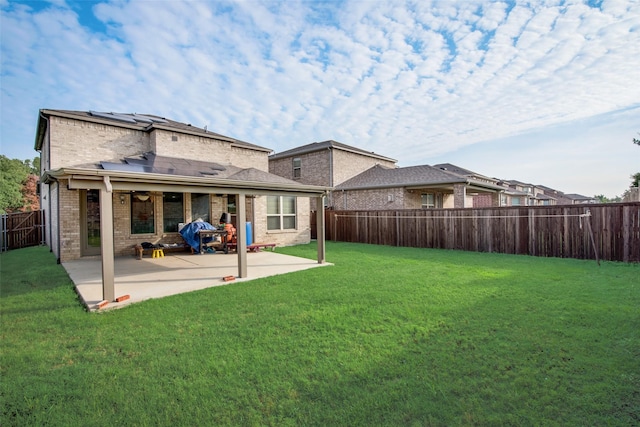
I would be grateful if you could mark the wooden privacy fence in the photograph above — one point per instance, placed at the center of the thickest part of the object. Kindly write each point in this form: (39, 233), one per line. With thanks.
(605, 231)
(22, 229)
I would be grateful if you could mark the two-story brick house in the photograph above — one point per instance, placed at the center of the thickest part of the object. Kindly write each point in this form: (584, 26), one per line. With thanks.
(328, 163)
(110, 181)
(365, 180)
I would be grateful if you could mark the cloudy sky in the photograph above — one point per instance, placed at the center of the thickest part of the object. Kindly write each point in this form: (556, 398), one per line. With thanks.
(542, 92)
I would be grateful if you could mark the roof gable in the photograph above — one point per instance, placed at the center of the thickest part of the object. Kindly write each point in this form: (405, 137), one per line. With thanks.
(380, 176)
(142, 122)
(329, 144)
(153, 164)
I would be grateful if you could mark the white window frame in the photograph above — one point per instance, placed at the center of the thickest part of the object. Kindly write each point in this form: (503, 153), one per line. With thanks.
(296, 163)
(428, 205)
(281, 215)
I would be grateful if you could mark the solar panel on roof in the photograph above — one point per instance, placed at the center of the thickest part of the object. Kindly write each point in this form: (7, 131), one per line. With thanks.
(125, 167)
(142, 117)
(112, 116)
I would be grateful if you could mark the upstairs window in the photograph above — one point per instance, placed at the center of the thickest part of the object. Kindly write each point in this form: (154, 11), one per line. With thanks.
(297, 168)
(281, 213)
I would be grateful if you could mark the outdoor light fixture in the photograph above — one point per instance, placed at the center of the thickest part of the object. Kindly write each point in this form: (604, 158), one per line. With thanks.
(122, 199)
(142, 197)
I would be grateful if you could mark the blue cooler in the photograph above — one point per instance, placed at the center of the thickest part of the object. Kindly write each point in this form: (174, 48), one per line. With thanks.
(249, 234)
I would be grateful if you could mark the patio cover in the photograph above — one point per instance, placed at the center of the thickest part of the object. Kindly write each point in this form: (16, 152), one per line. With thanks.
(163, 174)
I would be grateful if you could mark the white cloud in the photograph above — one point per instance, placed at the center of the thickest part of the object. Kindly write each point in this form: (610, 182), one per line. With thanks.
(408, 80)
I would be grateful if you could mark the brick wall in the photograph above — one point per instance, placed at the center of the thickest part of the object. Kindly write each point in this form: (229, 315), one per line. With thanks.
(175, 144)
(346, 165)
(459, 195)
(53, 236)
(317, 167)
(124, 240)
(314, 168)
(377, 199)
(69, 223)
(301, 235)
(76, 142)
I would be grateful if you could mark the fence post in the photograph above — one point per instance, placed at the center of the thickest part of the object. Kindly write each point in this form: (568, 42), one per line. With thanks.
(5, 235)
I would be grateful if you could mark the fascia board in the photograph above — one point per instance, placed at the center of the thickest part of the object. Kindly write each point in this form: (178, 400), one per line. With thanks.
(94, 119)
(81, 178)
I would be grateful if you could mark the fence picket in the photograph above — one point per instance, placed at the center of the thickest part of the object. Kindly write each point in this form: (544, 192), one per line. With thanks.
(22, 229)
(548, 231)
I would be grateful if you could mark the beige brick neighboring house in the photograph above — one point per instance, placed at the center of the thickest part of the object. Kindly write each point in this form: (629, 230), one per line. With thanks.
(328, 163)
(154, 174)
(478, 199)
(413, 187)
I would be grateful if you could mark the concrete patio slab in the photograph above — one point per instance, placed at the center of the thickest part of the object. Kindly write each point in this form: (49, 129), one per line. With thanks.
(174, 274)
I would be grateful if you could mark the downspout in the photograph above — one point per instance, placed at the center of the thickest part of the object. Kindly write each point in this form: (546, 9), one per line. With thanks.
(58, 220)
(330, 199)
(49, 219)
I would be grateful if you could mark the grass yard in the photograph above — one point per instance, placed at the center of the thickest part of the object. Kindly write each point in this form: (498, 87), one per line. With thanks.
(387, 336)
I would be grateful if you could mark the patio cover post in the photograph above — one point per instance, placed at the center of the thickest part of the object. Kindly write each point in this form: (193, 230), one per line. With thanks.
(241, 231)
(320, 228)
(106, 241)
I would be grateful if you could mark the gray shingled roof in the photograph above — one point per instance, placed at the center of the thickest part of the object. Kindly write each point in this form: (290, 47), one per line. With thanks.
(455, 169)
(317, 146)
(574, 196)
(151, 163)
(144, 122)
(380, 176)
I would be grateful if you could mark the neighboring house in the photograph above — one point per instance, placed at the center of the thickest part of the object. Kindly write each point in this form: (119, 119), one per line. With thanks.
(478, 199)
(110, 181)
(327, 163)
(579, 199)
(631, 195)
(513, 197)
(525, 194)
(540, 195)
(414, 187)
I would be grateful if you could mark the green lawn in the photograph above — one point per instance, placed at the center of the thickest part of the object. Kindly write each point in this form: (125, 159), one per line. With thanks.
(387, 336)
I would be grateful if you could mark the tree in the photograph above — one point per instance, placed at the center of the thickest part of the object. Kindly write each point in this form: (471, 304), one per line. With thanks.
(30, 198)
(14, 175)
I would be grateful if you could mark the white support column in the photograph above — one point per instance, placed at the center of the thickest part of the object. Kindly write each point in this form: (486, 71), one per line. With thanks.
(106, 241)
(241, 234)
(320, 229)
